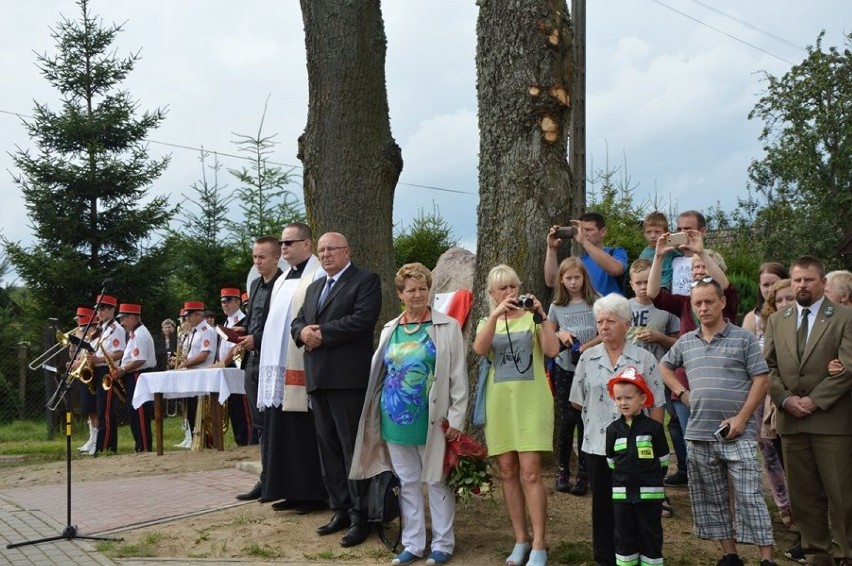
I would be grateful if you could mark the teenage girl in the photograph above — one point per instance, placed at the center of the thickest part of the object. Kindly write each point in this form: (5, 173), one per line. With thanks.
(571, 310)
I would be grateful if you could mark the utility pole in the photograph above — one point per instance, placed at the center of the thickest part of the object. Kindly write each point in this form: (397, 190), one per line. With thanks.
(577, 141)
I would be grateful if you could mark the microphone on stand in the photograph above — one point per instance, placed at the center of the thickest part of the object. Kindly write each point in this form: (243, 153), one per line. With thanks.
(107, 285)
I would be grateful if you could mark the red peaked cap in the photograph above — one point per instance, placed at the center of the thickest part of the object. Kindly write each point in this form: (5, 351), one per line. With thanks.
(230, 293)
(83, 312)
(129, 308)
(631, 375)
(106, 300)
(191, 306)
(83, 320)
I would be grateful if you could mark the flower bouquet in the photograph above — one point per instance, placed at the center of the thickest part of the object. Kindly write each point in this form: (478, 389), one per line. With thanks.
(466, 468)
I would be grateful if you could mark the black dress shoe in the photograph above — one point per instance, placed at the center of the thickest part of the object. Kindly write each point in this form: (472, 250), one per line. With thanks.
(339, 521)
(253, 494)
(306, 507)
(356, 534)
(286, 504)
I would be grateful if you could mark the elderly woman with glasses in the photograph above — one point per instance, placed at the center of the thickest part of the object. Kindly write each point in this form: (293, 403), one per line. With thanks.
(518, 405)
(597, 365)
(418, 380)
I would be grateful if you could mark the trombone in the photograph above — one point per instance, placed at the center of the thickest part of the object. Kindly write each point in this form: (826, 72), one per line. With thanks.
(63, 341)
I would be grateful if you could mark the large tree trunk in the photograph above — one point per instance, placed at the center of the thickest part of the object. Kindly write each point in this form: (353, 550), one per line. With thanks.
(524, 65)
(352, 162)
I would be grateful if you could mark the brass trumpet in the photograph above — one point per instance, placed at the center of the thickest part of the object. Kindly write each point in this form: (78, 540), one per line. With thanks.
(111, 379)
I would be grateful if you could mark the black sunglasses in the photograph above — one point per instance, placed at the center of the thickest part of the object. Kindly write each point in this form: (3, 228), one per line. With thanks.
(289, 243)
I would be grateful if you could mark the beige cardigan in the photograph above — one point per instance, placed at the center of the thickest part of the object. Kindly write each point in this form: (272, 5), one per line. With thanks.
(447, 400)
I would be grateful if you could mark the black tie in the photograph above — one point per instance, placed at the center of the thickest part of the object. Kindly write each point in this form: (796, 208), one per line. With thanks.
(325, 291)
(802, 334)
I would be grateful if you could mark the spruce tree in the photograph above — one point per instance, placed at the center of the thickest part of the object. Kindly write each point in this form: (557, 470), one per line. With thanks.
(86, 183)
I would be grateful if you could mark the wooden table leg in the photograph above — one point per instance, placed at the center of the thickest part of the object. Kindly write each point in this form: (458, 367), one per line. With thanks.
(158, 421)
(217, 423)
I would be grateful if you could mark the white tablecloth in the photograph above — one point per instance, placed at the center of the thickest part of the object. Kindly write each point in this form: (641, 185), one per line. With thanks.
(189, 383)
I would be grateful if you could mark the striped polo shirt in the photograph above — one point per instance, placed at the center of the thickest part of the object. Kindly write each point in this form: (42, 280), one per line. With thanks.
(720, 376)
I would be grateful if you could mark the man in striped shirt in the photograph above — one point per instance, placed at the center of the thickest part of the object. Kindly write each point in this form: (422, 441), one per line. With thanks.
(728, 378)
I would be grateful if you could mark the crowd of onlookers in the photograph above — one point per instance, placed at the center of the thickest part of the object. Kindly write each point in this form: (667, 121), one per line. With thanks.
(594, 362)
(777, 383)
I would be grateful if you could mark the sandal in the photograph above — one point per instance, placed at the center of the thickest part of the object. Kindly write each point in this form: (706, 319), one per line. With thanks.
(668, 510)
(519, 554)
(538, 557)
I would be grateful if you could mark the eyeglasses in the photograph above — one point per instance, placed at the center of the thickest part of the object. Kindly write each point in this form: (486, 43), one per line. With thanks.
(330, 249)
(288, 243)
(704, 280)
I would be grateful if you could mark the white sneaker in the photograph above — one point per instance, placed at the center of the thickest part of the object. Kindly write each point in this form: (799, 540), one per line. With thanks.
(94, 446)
(92, 438)
(187, 439)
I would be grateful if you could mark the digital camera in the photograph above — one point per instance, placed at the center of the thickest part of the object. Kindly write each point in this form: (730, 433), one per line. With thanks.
(525, 301)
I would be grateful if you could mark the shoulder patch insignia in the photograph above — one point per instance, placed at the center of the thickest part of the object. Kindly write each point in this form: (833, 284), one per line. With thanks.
(828, 310)
(135, 352)
(206, 343)
(115, 342)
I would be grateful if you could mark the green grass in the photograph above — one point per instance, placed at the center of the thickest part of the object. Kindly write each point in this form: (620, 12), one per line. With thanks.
(578, 552)
(145, 548)
(29, 439)
(328, 555)
(261, 551)
(246, 520)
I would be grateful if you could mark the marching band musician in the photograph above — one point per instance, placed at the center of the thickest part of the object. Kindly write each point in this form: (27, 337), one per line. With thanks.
(237, 404)
(88, 400)
(182, 345)
(113, 338)
(138, 356)
(200, 353)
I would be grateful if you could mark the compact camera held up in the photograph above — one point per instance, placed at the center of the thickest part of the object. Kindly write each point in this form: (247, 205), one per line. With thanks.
(525, 302)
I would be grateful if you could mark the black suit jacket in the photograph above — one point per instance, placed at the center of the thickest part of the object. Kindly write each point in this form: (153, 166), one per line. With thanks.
(162, 353)
(347, 321)
(258, 336)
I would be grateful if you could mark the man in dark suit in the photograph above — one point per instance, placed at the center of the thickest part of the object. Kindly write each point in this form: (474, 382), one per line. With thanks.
(265, 253)
(815, 420)
(335, 325)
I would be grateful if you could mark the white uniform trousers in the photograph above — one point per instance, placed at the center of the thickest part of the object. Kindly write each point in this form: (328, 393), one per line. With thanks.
(407, 463)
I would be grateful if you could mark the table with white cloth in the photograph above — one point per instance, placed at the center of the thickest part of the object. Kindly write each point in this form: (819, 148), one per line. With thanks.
(177, 384)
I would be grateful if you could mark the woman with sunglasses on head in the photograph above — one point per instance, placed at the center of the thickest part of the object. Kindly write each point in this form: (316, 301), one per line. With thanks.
(518, 405)
(707, 266)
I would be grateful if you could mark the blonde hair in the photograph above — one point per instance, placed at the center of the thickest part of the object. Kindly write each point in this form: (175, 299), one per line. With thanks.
(717, 257)
(416, 271)
(657, 219)
(500, 276)
(841, 282)
(769, 305)
(561, 296)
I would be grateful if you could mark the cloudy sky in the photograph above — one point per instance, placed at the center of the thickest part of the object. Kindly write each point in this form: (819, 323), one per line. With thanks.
(664, 90)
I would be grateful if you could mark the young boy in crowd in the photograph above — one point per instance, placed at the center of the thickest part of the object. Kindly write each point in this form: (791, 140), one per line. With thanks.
(657, 330)
(638, 455)
(655, 225)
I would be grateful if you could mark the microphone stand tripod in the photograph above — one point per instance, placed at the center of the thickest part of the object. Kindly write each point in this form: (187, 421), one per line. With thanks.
(70, 531)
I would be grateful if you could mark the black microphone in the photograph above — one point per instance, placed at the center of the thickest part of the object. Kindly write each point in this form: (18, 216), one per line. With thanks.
(107, 285)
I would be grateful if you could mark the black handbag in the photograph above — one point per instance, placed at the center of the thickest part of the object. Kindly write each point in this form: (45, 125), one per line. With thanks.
(383, 508)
